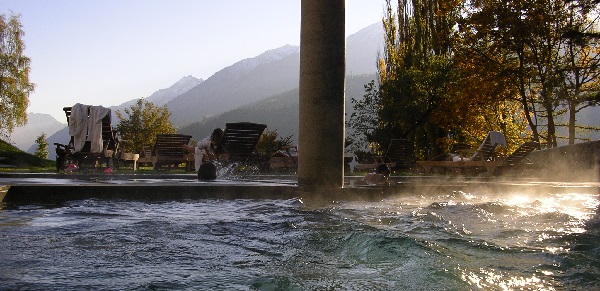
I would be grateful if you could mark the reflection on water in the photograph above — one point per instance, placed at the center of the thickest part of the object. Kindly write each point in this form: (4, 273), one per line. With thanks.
(450, 241)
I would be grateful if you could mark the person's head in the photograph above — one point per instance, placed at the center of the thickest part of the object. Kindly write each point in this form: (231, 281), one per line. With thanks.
(383, 169)
(207, 171)
(216, 136)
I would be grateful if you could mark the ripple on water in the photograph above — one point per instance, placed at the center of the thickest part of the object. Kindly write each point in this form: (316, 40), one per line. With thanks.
(439, 242)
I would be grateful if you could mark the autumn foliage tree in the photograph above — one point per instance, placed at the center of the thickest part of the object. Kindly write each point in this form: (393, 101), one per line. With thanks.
(525, 43)
(425, 91)
(451, 71)
(143, 122)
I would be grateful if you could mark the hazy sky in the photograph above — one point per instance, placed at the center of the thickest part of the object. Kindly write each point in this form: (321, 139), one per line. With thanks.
(111, 51)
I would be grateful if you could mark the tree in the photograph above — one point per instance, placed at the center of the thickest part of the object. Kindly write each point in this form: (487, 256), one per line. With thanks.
(41, 150)
(270, 142)
(581, 69)
(431, 89)
(529, 45)
(14, 75)
(143, 122)
(415, 71)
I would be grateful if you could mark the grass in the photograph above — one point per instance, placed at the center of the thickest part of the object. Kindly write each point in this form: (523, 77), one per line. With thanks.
(16, 160)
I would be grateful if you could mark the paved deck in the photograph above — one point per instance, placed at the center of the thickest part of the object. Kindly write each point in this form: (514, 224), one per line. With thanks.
(57, 188)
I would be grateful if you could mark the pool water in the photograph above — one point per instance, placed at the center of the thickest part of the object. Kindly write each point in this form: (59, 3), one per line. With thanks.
(437, 241)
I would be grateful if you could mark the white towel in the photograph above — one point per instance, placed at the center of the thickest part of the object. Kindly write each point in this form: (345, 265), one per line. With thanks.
(497, 138)
(78, 124)
(97, 113)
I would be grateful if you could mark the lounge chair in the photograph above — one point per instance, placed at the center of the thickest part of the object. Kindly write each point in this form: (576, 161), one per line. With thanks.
(399, 154)
(239, 141)
(515, 161)
(483, 157)
(168, 151)
(487, 150)
(521, 153)
(146, 156)
(92, 137)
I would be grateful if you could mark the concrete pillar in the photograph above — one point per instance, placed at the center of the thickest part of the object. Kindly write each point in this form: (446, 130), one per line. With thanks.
(322, 92)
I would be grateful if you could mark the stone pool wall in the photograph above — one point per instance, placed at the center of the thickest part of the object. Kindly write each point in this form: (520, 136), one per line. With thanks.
(579, 162)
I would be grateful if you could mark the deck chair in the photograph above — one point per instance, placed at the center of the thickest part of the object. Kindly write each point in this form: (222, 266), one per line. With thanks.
(521, 153)
(487, 150)
(398, 155)
(146, 156)
(239, 141)
(92, 137)
(168, 151)
(483, 157)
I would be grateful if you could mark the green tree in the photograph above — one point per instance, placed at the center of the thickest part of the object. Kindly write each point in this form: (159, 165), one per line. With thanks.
(270, 142)
(416, 71)
(14, 75)
(430, 89)
(41, 150)
(143, 122)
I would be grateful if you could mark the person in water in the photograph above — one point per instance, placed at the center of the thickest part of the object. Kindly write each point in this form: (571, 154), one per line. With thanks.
(207, 172)
(206, 149)
(379, 177)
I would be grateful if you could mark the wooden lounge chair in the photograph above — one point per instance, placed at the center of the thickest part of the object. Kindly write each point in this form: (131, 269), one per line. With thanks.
(399, 154)
(146, 156)
(96, 141)
(239, 140)
(484, 157)
(487, 150)
(168, 151)
(515, 161)
(521, 153)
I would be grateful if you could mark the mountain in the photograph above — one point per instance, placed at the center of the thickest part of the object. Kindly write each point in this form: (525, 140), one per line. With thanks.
(244, 82)
(362, 49)
(279, 112)
(37, 123)
(272, 72)
(162, 96)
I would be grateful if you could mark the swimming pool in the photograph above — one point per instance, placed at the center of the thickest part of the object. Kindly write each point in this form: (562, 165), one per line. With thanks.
(442, 240)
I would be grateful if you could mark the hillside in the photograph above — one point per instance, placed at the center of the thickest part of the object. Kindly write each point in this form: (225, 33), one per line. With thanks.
(240, 84)
(271, 73)
(162, 96)
(12, 157)
(278, 112)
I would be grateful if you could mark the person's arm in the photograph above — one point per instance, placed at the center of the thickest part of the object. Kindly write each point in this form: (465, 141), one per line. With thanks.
(189, 148)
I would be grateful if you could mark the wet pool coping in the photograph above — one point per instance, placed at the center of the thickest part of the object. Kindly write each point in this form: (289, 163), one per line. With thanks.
(50, 188)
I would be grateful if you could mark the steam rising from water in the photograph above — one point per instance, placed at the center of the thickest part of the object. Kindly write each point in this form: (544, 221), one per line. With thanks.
(434, 241)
